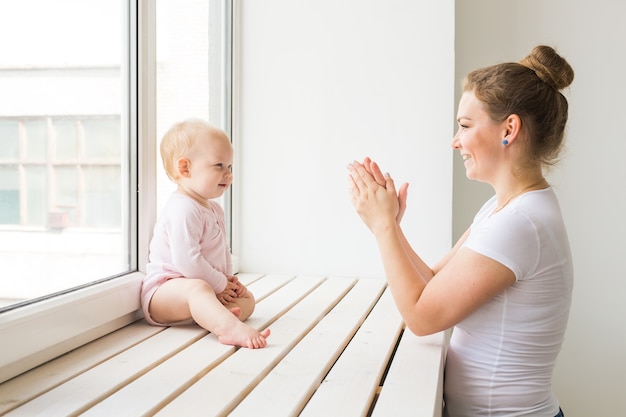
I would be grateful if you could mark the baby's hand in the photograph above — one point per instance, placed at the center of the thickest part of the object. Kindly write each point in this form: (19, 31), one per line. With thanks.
(229, 294)
(241, 289)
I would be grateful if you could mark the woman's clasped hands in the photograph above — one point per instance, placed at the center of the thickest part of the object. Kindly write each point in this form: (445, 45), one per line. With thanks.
(374, 196)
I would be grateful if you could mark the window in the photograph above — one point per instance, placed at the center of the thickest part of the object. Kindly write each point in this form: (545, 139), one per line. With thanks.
(78, 161)
(193, 69)
(65, 146)
(61, 172)
(62, 214)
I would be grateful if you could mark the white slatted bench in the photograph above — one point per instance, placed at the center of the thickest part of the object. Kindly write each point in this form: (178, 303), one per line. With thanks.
(337, 348)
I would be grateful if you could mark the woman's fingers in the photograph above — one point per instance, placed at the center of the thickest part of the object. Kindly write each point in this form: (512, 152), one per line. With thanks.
(373, 195)
(368, 179)
(374, 169)
(402, 195)
(390, 186)
(355, 177)
(369, 172)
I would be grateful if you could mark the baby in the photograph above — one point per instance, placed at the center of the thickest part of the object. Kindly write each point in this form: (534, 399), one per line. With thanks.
(189, 273)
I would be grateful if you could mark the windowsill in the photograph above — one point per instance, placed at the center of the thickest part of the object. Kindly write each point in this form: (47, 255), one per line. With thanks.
(336, 344)
(36, 333)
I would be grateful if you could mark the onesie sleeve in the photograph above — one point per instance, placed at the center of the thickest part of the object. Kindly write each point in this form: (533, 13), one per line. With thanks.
(510, 238)
(227, 254)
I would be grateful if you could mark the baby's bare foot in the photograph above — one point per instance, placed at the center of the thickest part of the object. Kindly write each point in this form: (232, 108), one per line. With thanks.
(245, 336)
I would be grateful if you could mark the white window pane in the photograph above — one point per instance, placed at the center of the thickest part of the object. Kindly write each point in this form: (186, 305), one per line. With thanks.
(102, 197)
(102, 139)
(35, 139)
(9, 139)
(66, 139)
(9, 195)
(66, 190)
(66, 196)
(35, 194)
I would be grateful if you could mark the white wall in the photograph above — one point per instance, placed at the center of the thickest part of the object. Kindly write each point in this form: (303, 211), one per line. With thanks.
(322, 83)
(590, 375)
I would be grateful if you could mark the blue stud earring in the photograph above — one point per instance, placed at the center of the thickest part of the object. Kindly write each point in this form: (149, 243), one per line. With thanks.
(505, 142)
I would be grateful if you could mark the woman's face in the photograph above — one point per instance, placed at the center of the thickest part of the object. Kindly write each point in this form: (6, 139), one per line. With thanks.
(479, 139)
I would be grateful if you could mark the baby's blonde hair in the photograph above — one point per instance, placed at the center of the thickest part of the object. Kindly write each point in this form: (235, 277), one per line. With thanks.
(180, 138)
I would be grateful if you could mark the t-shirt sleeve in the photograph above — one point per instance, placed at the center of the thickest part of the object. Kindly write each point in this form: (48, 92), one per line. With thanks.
(509, 238)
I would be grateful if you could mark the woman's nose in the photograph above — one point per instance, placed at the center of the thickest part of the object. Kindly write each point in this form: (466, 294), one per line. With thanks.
(456, 143)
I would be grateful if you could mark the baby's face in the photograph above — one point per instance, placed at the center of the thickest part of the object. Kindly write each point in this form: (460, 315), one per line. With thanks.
(210, 169)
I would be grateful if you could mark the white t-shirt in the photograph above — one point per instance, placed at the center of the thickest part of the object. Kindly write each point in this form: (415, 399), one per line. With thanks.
(501, 357)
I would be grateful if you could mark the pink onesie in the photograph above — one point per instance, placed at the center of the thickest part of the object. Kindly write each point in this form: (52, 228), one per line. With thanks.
(189, 241)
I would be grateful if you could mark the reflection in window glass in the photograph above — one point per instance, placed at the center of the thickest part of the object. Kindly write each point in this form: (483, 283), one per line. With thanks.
(64, 211)
(35, 143)
(66, 140)
(9, 195)
(35, 195)
(102, 198)
(102, 139)
(9, 137)
(66, 195)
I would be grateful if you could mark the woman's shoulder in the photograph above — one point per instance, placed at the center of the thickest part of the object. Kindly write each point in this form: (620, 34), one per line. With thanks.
(523, 220)
(533, 205)
(541, 206)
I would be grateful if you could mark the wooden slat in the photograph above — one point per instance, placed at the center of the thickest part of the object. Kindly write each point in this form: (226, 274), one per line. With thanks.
(27, 386)
(291, 383)
(408, 389)
(163, 383)
(91, 386)
(219, 391)
(248, 278)
(350, 386)
(268, 284)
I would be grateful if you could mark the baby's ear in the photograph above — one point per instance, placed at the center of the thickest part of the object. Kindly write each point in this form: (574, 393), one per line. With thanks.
(183, 167)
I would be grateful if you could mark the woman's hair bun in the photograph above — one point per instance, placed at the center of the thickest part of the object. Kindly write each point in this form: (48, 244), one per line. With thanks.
(549, 66)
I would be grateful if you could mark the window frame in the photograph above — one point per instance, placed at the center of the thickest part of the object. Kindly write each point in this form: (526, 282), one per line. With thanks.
(41, 331)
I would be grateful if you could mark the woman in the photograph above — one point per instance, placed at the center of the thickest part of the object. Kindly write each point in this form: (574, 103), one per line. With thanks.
(506, 285)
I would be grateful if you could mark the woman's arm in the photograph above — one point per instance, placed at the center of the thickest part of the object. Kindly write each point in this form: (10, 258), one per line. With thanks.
(429, 300)
(427, 273)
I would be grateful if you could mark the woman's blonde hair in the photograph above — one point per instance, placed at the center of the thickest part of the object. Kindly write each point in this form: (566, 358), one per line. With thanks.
(531, 90)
